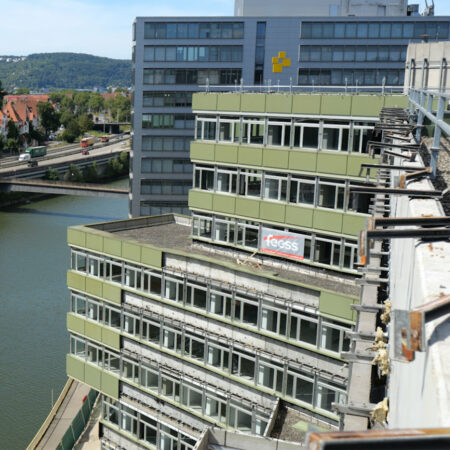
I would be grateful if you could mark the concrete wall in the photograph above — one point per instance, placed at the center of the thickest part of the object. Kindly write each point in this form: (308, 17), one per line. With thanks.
(416, 76)
(322, 8)
(419, 391)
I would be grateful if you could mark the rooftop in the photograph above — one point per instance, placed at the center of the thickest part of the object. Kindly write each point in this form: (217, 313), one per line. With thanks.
(172, 233)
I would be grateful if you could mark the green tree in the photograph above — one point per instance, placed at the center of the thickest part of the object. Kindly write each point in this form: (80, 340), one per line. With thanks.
(22, 91)
(13, 132)
(125, 160)
(85, 123)
(81, 101)
(2, 93)
(90, 173)
(73, 174)
(34, 135)
(51, 174)
(67, 104)
(72, 131)
(96, 102)
(12, 145)
(66, 117)
(57, 97)
(48, 117)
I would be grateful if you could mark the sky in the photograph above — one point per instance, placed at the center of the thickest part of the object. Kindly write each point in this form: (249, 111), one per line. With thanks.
(99, 27)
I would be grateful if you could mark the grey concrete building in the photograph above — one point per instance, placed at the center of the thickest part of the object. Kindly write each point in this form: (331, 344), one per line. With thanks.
(176, 56)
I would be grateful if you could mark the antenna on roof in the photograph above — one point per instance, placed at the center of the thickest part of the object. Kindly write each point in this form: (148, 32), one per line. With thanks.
(429, 9)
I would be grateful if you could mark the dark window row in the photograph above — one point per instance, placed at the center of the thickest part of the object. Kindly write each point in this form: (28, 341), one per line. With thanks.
(351, 77)
(165, 143)
(164, 187)
(374, 30)
(168, 121)
(203, 30)
(169, 99)
(160, 165)
(363, 53)
(207, 53)
(192, 76)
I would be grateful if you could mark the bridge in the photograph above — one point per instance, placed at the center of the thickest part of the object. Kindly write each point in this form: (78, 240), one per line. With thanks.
(61, 188)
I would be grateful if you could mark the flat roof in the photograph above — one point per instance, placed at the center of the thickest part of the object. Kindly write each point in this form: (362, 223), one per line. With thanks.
(172, 232)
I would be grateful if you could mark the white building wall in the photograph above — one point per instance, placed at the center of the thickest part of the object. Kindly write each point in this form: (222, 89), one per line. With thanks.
(323, 8)
(419, 391)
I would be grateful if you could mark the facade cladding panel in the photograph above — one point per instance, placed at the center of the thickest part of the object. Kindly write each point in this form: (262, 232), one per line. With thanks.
(180, 55)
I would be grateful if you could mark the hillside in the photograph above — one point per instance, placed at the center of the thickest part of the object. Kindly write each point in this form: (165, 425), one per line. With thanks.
(64, 70)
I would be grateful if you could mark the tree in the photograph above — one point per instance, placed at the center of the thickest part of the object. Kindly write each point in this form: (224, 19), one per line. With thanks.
(73, 174)
(90, 173)
(22, 91)
(12, 145)
(66, 117)
(2, 94)
(13, 132)
(51, 174)
(67, 104)
(48, 117)
(81, 101)
(72, 131)
(96, 102)
(85, 123)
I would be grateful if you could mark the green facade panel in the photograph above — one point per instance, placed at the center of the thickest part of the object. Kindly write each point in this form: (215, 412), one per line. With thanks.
(94, 242)
(112, 293)
(200, 200)
(354, 162)
(229, 102)
(75, 324)
(352, 224)
(76, 237)
(111, 338)
(93, 331)
(151, 257)
(224, 203)
(131, 251)
(110, 385)
(76, 281)
(94, 287)
(333, 163)
(247, 207)
(395, 101)
(226, 153)
(306, 104)
(93, 376)
(299, 216)
(367, 105)
(202, 151)
(337, 305)
(327, 220)
(75, 368)
(303, 160)
(253, 102)
(278, 159)
(279, 103)
(204, 102)
(336, 105)
(250, 156)
(272, 212)
(112, 246)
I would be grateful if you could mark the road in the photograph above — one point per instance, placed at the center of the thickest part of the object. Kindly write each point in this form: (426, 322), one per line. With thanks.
(68, 155)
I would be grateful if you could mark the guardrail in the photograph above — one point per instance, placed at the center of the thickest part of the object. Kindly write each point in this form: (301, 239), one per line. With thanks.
(39, 435)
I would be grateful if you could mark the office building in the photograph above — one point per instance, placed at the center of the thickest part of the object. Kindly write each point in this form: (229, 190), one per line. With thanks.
(174, 57)
(237, 315)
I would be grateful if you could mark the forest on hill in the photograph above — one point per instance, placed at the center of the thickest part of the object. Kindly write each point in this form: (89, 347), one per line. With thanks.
(63, 71)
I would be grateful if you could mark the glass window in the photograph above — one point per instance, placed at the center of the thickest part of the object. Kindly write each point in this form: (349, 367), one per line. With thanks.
(374, 30)
(362, 30)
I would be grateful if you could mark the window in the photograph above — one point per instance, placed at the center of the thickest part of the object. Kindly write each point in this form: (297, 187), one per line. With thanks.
(171, 340)
(253, 131)
(331, 195)
(243, 366)
(226, 182)
(224, 231)
(302, 190)
(327, 251)
(246, 310)
(250, 184)
(273, 320)
(220, 302)
(202, 226)
(304, 328)
(300, 386)
(247, 234)
(279, 133)
(192, 76)
(196, 296)
(306, 134)
(203, 178)
(275, 188)
(218, 357)
(173, 289)
(270, 375)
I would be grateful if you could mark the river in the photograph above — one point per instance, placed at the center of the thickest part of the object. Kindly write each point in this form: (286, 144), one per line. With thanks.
(34, 300)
